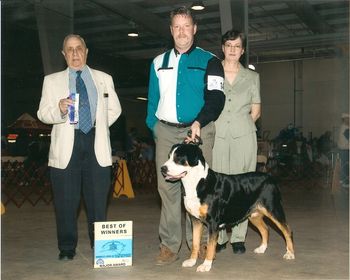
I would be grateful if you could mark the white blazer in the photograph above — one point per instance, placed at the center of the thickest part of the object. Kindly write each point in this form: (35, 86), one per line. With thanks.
(56, 87)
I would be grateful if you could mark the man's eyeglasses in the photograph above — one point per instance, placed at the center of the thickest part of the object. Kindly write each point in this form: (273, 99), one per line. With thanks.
(74, 50)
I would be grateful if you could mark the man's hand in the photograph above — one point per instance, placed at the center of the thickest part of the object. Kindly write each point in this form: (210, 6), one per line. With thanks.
(196, 132)
(63, 105)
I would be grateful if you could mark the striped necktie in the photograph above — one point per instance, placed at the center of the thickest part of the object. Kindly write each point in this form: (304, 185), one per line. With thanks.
(85, 123)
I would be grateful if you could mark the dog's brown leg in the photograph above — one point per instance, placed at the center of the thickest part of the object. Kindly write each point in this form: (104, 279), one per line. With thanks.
(211, 247)
(284, 228)
(206, 265)
(256, 218)
(196, 238)
(197, 234)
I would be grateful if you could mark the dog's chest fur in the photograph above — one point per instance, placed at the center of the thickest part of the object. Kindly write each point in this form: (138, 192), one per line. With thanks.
(192, 205)
(190, 183)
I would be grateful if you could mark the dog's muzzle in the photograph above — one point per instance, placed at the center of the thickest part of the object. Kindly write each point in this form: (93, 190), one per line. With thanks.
(164, 170)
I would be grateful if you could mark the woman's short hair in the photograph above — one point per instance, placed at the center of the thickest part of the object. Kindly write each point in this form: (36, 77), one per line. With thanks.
(233, 35)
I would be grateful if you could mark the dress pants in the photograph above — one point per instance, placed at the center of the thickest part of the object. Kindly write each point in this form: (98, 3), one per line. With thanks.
(170, 227)
(83, 176)
(238, 234)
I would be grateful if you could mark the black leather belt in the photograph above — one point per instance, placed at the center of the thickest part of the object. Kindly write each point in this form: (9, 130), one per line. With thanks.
(178, 125)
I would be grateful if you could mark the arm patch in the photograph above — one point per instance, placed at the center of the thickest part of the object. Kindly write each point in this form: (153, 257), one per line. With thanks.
(215, 83)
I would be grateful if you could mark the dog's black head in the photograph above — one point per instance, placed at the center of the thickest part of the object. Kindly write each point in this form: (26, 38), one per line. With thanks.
(182, 158)
(188, 154)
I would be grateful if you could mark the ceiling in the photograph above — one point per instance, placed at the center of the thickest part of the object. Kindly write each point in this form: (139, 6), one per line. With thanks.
(278, 30)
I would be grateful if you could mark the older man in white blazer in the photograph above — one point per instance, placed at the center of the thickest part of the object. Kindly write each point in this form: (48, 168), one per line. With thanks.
(80, 152)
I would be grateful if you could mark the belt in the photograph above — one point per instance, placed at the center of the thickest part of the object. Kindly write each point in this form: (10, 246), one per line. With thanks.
(178, 125)
(77, 130)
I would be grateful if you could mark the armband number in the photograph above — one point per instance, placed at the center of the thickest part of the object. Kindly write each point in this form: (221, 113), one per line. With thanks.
(215, 83)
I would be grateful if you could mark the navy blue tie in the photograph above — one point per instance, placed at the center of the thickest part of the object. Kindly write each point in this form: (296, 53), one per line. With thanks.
(85, 123)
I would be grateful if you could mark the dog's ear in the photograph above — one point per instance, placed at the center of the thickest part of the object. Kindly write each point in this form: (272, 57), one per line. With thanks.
(195, 155)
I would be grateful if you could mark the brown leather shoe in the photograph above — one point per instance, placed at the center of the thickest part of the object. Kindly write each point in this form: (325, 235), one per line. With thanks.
(166, 256)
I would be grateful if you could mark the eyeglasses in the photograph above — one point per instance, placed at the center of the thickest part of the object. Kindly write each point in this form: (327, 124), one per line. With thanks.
(232, 46)
(77, 50)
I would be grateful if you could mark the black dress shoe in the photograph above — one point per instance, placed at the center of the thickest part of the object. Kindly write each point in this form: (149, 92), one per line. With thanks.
(66, 255)
(238, 248)
(220, 247)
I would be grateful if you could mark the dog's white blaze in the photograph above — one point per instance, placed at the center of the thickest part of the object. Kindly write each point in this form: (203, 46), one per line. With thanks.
(174, 169)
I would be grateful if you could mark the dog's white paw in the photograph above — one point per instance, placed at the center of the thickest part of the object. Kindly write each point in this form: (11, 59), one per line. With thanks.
(205, 266)
(261, 249)
(289, 256)
(189, 263)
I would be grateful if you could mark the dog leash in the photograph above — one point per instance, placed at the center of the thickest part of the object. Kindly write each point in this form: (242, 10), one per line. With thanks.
(197, 140)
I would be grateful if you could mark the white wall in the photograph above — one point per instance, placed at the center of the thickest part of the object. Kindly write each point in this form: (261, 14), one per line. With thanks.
(326, 92)
(276, 88)
(324, 95)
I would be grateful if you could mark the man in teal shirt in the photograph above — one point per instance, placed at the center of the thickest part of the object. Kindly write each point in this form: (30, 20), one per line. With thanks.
(185, 93)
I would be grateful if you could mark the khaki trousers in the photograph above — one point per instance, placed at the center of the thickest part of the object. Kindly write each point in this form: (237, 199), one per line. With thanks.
(170, 228)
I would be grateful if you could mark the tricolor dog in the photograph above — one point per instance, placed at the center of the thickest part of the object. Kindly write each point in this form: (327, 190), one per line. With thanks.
(216, 200)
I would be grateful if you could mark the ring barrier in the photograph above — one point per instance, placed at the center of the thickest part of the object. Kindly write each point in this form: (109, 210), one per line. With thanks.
(29, 182)
(24, 182)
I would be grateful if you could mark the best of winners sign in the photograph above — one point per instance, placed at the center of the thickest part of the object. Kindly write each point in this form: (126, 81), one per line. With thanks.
(113, 244)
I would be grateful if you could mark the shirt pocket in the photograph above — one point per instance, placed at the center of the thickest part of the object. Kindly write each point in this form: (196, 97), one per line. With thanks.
(166, 77)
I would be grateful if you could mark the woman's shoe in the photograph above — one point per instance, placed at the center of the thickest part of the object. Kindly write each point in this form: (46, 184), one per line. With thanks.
(220, 247)
(238, 248)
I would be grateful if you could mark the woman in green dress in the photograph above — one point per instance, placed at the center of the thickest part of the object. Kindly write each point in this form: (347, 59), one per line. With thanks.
(235, 148)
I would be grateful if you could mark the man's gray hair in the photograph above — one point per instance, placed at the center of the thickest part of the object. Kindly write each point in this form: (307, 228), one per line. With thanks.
(73, 36)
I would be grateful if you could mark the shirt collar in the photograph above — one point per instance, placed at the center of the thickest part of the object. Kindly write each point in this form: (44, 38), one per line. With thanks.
(187, 52)
(73, 71)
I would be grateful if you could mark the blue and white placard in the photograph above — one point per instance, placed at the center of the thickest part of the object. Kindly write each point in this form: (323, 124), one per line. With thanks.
(113, 244)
